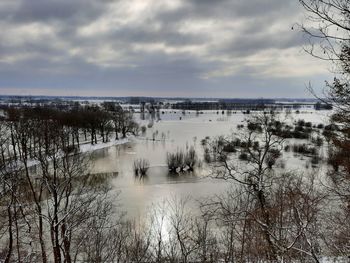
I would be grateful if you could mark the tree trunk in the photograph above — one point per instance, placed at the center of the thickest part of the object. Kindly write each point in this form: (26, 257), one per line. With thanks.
(17, 236)
(66, 244)
(13, 144)
(266, 215)
(41, 238)
(10, 246)
(92, 137)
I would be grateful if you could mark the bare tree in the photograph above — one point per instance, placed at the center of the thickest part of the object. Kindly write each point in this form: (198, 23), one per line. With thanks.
(101, 233)
(182, 228)
(328, 27)
(261, 184)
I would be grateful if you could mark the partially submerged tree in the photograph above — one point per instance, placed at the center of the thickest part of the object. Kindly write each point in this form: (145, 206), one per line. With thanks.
(141, 167)
(181, 161)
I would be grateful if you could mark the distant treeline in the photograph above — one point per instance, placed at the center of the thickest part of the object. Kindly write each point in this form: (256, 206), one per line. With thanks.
(245, 104)
(226, 105)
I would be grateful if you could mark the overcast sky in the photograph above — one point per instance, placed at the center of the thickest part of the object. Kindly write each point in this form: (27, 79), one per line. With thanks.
(194, 48)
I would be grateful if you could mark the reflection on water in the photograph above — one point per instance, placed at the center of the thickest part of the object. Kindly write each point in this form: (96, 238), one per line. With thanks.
(167, 134)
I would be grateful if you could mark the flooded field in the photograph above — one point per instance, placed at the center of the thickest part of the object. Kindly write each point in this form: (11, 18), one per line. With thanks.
(172, 130)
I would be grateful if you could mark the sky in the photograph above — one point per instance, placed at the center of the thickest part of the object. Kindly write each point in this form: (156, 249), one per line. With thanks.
(165, 48)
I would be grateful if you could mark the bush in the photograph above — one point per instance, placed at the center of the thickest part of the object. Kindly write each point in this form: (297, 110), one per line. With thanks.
(272, 157)
(304, 149)
(190, 159)
(181, 161)
(175, 161)
(298, 134)
(71, 149)
(229, 147)
(254, 127)
(207, 157)
(320, 126)
(301, 123)
(334, 160)
(327, 133)
(318, 141)
(141, 167)
(315, 160)
(287, 148)
(243, 156)
(308, 124)
(237, 142)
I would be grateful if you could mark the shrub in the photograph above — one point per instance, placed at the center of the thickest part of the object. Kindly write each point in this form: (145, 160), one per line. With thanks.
(318, 141)
(143, 129)
(308, 124)
(301, 123)
(287, 148)
(315, 160)
(320, 126)
(171, 162)
(141, 167)
(254, 127)
(181, 161)
(243, 156)
(237, 142)
(334, 160)
(229, 147)
(304, 149)
(190, 159)
(256, 145)
(207, 157)
(71, 149)
(331, 127)
(272, 157)
(297, 134)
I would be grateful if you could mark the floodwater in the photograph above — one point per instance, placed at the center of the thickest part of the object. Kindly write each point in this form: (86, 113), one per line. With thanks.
(172, 130)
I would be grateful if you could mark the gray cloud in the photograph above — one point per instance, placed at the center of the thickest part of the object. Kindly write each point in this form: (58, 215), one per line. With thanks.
(52, 10)
(151, 47)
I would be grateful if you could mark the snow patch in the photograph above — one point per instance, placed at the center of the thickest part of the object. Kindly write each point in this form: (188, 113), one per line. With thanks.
(90, 148)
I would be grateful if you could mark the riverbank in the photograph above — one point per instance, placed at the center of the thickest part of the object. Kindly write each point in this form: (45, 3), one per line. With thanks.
(87, 147)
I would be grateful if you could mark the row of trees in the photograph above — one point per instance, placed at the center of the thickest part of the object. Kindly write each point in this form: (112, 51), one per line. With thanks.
(42, 208)
(20, 127)
(47, 200)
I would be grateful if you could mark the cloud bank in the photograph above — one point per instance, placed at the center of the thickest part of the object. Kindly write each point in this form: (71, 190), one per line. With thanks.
(201, 48)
